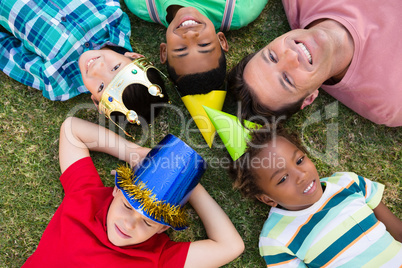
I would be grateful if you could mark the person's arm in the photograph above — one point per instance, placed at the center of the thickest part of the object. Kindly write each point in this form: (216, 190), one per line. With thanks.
(78, 137)
(391, 222)
(224, 243)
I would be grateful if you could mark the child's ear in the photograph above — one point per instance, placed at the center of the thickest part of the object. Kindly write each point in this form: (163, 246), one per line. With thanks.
(133, 55)
(266, 200)
(309, 99)
(223, 41)
(164, 228)
(115, 191)
(163, 52)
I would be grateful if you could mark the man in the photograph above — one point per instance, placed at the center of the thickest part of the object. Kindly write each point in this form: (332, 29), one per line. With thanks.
(348, 48)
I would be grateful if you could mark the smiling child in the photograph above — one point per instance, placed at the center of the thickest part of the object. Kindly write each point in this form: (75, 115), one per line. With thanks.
(65, 48)
(195, 47)
(123, 226)
(195, 43)
(328, 222)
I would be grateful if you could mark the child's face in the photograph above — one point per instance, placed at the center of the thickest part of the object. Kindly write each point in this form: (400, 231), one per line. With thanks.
(125, 226)
(99, 67)
(287, 176)
(192, 45)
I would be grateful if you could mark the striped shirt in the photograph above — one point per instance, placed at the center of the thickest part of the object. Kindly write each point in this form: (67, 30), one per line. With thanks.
(340, 230)
(44, 39)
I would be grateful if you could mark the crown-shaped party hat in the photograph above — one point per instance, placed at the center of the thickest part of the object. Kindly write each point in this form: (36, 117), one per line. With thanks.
(134, 73)
(194, 104)
(233, 134)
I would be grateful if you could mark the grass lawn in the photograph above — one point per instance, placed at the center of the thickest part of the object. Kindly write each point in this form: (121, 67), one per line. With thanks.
(30, 191)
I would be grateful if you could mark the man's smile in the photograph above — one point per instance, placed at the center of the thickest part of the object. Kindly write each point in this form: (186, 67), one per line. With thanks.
(305, 51)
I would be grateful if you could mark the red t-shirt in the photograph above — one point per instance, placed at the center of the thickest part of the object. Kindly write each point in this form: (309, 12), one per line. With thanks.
(76, 235)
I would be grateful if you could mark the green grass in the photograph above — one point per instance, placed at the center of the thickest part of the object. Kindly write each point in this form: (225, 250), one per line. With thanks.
(30, 190)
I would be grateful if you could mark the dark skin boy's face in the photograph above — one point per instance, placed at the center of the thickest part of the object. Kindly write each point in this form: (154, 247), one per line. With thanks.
(192, 46)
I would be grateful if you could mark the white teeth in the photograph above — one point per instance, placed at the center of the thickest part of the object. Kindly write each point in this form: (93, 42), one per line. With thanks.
(91, 60)
(309, 187)
(188, 23)
(306, 52)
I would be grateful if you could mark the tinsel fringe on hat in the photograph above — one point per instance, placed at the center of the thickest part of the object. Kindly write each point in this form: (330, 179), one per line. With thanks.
(174, 216)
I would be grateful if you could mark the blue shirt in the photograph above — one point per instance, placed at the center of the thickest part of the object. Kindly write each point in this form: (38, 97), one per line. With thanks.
(45, 39)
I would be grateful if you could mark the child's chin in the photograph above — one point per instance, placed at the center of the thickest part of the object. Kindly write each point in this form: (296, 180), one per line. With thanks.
(81, 59)
(80, 63)
(117, 242)
(120, 242)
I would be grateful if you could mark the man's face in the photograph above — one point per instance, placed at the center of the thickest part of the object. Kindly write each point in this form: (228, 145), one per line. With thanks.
(291, 67)
(99, 67)
(192, 46)
(287, 176)
(126, 226)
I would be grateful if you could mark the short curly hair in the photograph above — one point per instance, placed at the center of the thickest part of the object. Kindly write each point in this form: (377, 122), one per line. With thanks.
(241, 171)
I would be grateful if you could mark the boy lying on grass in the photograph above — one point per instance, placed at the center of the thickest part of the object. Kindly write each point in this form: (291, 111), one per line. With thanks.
(329, 222)
(98, 226)
(68, 47)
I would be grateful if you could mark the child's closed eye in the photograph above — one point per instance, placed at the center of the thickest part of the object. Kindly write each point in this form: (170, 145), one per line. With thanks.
(127, 206)
(147, 223)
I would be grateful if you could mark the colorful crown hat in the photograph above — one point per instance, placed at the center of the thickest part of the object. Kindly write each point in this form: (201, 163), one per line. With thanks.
(194, 103)
(231, 131)
(162, 183)
(133, 73)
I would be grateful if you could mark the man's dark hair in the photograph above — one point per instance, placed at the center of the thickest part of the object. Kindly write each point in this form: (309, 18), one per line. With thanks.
(200, 83)
(250, 105)
(137, 98)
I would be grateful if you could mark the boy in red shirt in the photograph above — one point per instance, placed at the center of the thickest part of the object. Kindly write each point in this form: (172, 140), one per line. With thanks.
(97, 226)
